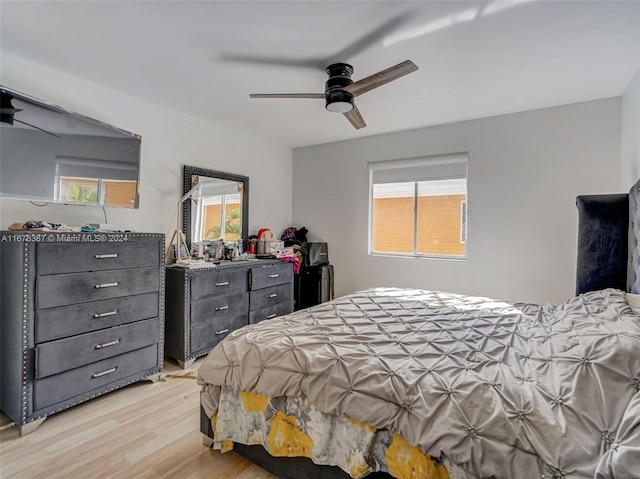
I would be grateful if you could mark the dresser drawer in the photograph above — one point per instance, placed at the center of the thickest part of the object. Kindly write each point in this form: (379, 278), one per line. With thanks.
(270, 312)
(271, 275)
(206, 284)
(59, 258)
(216, 308)
(69, 353)
(71, 288)
(84, 380)
(64, 321)
(269, 296)
(208, 335)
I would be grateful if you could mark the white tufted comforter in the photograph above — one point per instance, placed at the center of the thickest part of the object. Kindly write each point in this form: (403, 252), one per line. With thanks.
(505, 390)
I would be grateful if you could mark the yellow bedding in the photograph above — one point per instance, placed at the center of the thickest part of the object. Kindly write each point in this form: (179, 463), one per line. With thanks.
(290, 427)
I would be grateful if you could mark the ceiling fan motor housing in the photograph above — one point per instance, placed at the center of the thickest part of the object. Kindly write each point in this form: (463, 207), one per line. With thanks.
(7, 110)
(337, 99)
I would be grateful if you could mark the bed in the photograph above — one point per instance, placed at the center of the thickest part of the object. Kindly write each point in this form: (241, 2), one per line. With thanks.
(406, 383)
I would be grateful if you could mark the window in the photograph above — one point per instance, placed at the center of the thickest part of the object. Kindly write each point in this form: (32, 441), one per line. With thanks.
(83, 191)
(87, 181)
(418, 207)
(219, 217)
(216, 209)
(92, 191)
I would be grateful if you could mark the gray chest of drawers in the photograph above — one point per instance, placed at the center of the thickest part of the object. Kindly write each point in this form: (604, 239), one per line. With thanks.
(203, 305)
(81, 315)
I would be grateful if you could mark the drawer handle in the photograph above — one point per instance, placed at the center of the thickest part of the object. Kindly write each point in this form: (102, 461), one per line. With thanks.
(103, 373)
(105, 285)
(222, 331)
(271, 316)
(272, 295)
(222, 308)
(106, 345)
(274, 275)
(104, 315)
(224, 283)
(105, 256)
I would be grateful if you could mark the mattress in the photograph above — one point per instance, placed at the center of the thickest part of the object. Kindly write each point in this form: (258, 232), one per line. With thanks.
(497, 388)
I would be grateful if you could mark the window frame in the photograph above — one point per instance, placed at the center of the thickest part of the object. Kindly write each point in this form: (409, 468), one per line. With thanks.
(77, 169)
(463, 222)
(427, 162)
(64, 182)
(200, 214)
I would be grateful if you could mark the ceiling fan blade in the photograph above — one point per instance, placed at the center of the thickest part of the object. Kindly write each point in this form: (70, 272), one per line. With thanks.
(9, 111)
(319, 96)
(317, 64)
(361, 44)
(38, 128)
(355, 118)
(364, 42)
(381, 78)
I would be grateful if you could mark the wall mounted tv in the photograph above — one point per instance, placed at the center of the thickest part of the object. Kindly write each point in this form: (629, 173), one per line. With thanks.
(50, 154)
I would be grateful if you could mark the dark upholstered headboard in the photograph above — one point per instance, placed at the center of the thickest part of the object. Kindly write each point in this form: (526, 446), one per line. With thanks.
(633, 273)
(609, 241)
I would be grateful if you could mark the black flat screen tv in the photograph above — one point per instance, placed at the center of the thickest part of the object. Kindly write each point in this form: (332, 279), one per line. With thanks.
(50, 154)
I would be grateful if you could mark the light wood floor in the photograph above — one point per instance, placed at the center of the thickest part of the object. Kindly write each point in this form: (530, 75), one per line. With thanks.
(145, 430)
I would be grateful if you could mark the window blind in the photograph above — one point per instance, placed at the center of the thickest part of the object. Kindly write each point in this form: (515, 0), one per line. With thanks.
(419, 169)
(97, 169)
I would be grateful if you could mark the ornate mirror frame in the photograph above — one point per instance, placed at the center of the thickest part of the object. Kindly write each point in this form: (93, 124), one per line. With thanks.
(189, 172)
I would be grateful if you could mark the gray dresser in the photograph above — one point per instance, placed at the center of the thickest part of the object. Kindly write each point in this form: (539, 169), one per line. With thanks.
(203, 305)
(81, 315)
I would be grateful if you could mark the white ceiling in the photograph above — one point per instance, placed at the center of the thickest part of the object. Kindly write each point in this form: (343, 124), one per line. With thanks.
(475, 59)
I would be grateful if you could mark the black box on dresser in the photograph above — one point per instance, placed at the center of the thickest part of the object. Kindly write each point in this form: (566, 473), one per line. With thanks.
(204, 305)
(81, 314)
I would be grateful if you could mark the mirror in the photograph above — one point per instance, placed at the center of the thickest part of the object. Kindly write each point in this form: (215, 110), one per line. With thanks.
(54, 155)
(218, 207)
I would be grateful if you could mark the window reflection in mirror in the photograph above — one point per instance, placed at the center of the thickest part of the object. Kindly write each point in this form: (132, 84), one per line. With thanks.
(217, 213)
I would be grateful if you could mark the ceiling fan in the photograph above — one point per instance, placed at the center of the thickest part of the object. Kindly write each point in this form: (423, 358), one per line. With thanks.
(7, 112)
(341, 90)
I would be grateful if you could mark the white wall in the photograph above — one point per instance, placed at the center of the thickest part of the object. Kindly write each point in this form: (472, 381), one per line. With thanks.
(525, 171)
(630, 135)
(169, 140)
